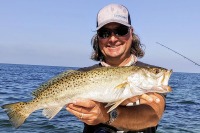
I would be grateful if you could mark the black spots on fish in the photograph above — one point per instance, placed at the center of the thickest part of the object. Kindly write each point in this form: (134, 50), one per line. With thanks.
(105, 73)
(68, 86)
(79, 76)
(73, 79)
(136, 68)
(14, 106)
(76, 84)
(151, 69)
(53, 90)
(36, 100)
(20, 105)
(47, 93)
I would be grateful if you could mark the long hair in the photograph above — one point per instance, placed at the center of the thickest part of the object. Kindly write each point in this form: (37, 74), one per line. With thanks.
(136, 48)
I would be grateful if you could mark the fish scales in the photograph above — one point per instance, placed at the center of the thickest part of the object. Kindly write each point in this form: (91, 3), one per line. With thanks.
(110, 85)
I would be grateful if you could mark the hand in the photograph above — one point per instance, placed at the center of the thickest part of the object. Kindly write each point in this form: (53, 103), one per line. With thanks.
(90, 112)
(144, 98)
(150, 97)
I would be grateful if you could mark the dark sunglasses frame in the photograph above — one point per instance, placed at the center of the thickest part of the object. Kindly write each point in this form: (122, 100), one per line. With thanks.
(120, 31)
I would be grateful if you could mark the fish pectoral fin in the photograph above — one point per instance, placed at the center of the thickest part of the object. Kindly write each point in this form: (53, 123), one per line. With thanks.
(51, 111)
(115, 105)
(109, 104)
(121, 86)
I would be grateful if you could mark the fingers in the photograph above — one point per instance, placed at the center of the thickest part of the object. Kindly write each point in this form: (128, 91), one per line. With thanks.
(150, 97)
(77, 108)
(84, 106)
(84, 103)
(130, 100)
(80, 115)
(88, 113)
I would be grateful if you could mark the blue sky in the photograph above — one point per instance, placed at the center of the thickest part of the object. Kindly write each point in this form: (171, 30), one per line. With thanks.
(58, 32)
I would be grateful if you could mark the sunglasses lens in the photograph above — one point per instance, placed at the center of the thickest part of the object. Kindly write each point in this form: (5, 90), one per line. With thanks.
(121, 31)
(104, 33)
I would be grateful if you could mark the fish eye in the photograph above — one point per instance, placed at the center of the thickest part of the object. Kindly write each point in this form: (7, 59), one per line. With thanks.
(156, 70)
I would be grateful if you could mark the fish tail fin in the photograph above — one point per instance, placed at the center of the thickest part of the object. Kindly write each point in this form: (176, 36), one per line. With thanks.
(17, 112)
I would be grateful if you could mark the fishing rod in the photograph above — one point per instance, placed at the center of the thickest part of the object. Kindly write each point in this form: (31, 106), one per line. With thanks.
(178, 54)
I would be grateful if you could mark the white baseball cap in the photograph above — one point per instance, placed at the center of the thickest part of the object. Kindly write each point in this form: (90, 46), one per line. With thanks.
(113, 13)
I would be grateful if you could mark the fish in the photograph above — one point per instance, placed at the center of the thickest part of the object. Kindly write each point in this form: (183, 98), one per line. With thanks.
(111, 85)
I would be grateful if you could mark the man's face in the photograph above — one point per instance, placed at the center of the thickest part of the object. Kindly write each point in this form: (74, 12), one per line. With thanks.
(114, 41)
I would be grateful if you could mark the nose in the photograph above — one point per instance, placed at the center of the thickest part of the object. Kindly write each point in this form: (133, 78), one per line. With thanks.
(113, 38)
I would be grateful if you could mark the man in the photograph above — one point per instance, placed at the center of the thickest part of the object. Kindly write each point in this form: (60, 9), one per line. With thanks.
(115, 44)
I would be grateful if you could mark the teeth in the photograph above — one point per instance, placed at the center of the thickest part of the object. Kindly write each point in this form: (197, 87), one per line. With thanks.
(113, 46)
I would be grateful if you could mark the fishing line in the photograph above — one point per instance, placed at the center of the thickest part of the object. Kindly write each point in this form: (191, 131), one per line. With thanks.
(178, 54)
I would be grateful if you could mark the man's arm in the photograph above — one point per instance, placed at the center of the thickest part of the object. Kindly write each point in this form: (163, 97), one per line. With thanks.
(142, 116)
(147, 114)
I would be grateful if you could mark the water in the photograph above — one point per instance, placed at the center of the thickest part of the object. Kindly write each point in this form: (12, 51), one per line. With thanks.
(18, 81)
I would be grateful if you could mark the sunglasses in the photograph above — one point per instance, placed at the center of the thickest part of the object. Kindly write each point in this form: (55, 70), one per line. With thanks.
(119, 32)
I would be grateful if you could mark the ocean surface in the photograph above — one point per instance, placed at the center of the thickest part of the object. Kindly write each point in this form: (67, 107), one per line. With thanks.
(182, 114)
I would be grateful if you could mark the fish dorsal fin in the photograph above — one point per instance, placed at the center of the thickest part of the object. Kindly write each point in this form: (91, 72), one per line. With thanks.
(55, 79)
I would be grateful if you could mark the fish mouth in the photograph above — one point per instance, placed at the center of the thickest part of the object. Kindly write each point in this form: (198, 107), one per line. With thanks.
(165, 77)
(167, 88)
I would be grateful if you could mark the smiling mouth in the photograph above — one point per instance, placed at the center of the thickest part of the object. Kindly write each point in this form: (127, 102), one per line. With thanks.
(113, 46)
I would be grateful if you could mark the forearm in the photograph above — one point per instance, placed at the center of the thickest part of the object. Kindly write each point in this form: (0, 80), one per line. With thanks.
(136, 118)
(141, 116)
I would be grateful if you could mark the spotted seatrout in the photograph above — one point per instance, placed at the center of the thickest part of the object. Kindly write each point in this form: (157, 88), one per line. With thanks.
(110, 85)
